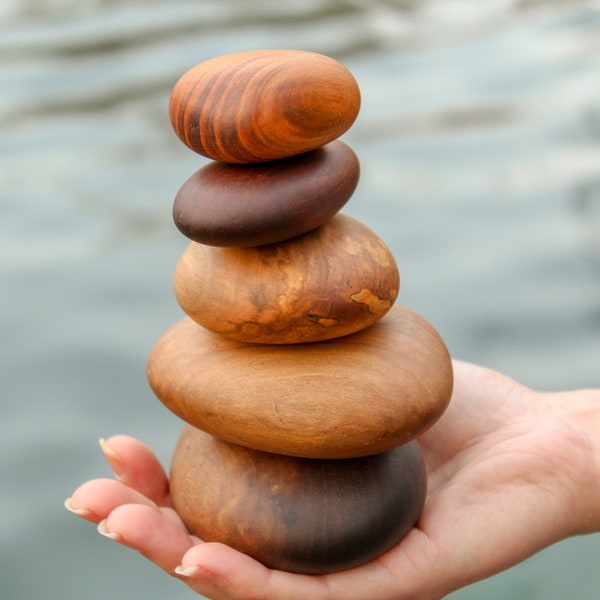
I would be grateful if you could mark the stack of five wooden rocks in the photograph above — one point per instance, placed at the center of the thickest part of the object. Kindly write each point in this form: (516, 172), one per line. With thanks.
(303, 403)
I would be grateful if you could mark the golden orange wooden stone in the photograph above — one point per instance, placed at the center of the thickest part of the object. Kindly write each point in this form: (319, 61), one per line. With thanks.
(296, 514)
(352, 396)
(263, 105)
(332, 281)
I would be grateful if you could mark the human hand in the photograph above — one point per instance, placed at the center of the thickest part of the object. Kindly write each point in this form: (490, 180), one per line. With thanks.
(510, 471)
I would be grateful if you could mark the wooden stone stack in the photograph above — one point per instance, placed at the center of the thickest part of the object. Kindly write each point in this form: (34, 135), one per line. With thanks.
(302, 402)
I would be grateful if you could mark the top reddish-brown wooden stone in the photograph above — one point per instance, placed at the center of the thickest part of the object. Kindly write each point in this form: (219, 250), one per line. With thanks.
(263, 105)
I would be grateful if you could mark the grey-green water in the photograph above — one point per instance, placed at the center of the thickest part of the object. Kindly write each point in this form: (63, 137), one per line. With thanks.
(479, 141)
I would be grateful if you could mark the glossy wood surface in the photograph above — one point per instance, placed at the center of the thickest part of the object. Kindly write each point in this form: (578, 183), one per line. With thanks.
(226, 204)
(329, 282)
(293, 514)
(352, 396)
(263, 105)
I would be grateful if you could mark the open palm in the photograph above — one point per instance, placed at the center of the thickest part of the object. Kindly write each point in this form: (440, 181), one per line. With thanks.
(504, 470)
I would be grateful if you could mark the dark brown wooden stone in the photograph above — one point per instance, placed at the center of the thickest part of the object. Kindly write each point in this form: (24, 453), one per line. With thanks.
(263, 105)
(294, 514)
(250, 205)
(352, 396)
(329, 282)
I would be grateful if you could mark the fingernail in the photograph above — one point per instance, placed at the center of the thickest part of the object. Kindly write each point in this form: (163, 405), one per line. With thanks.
(103, 530)
(80, 512)
(187, 571)
(113, 458)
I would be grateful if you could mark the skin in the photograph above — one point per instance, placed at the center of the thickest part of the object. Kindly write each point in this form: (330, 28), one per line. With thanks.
(510, 470)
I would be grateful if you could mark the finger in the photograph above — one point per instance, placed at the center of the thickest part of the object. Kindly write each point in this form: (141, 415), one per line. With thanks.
(157, 536)
(135, 465)
(221, 573)
(96, 499)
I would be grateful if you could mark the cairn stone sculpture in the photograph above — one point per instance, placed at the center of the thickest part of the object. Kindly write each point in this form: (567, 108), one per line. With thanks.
(303, 385)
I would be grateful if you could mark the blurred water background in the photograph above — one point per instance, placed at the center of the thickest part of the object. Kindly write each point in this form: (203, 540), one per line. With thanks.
(479, 141)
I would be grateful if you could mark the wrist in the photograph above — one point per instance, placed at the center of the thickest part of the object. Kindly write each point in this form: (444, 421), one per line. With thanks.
(579, 412)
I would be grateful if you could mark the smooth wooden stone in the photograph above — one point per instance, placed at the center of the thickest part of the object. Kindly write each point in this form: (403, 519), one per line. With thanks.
(295, 514)
(329, 282)
(224, 204)
(263, 105)
(352, 396)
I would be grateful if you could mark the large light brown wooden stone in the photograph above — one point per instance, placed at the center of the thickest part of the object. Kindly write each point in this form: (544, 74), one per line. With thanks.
(263, 104)
(329, 282)
(296, 514)
(352, 396)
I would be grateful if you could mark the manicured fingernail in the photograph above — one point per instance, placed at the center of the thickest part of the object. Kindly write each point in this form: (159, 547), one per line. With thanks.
(103, 530)
(113, 458)
(80, 512)
(187, 571)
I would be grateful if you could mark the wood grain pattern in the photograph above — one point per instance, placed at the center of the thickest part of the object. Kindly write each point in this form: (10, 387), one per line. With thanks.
(300, 515)
(329, 282)
(226, 204)
(352, 396)
(263, 105)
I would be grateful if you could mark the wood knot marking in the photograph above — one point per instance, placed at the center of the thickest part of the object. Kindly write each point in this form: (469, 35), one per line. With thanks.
(375, 304)
(322, 321)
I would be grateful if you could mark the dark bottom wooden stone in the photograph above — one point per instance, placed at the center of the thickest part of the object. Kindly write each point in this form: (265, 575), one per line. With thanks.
(296, 514)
